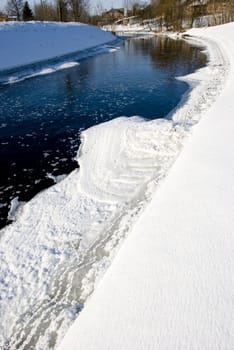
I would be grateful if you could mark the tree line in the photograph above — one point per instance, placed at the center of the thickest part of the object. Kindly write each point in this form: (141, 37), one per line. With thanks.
(170, 14)
(175, 15)
(179, 14)
(46, 10)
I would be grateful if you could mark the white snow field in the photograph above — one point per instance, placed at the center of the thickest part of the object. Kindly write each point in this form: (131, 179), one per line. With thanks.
(25, 43)
(176, 263)
(171, 285)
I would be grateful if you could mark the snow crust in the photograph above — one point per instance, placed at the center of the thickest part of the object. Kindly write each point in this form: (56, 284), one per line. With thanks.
(16, 78)
(171, 284)
(65, 238)
(24, 43)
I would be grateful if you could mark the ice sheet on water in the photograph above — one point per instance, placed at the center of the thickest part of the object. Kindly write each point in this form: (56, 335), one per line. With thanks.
(14, 209)
(44, 71)
(57, 178)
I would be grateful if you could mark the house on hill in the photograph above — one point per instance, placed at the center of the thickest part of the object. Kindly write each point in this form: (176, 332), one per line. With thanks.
(112, 15)
(199, 8)
(5, 18)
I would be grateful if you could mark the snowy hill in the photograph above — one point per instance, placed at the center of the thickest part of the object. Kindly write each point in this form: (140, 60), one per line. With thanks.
(31, 42)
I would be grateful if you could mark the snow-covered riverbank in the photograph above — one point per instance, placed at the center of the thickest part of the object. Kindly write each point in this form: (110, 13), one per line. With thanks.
(171, 284)
(65, 238)
(24, 43)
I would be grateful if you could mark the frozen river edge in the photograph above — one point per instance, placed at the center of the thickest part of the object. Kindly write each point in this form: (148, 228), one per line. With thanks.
(171, 284)
(65, 238)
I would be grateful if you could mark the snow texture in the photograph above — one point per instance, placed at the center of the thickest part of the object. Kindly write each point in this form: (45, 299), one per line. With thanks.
(171, 284)
(24, 43)
(175, 263)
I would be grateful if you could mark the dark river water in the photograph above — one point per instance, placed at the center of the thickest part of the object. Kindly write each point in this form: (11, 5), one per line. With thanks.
(41, 118)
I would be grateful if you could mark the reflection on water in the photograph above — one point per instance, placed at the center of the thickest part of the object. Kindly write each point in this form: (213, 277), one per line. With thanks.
(41, 118)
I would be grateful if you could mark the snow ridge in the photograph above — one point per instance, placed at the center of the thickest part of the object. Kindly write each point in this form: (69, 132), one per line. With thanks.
(38, 41)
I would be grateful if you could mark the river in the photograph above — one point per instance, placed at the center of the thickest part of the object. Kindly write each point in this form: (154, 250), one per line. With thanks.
(41, 117)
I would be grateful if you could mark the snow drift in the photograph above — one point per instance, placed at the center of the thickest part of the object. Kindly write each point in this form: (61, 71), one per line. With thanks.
(24, 43)
(171, 284)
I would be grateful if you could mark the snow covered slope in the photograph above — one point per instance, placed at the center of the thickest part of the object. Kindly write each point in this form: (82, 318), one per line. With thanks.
(30, 42)
(65, 237)
(171, 284)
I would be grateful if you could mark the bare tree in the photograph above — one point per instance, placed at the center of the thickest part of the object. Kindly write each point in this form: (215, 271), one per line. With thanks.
(14, 8)
(79, 9)
(62, 10)
(45, 11)
(99, 9)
